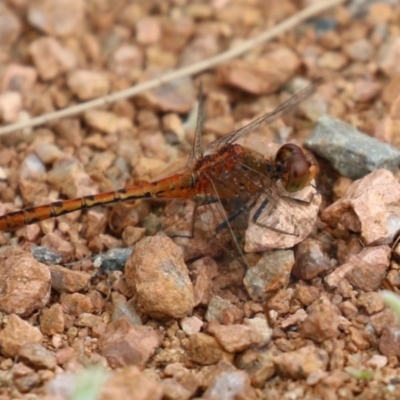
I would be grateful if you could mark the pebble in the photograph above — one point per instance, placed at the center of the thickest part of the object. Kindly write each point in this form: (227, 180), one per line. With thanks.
(159, 276)
(351, 152)
(262, 76)
(294, 319)
(48, 153)
(389, 57)
(389, 342)
(62, 18)
(236, 338)
(76, 303)
(371, 301)
(220, 310)
(51, 58)
(87, 85)
(205, 270)
(10, 106)
(230, 385)
(18, 78)
(123, 344)
(260, 325)
(130, 383)
(45, 256)
(299, 364)
(377, 361)
(322, 322)
(365, 91)
(57, 244)
(360, 50)
(25, 284)
(177, 96)
(37, 356)
(127, 60)
(112, 260)
(204, 349)
(10, 26)
(332, 60)
(107, 122)
(125, 309)
(311, 260)
(367, 207)
(384, 319)
(67, 280)
(369, 267)
(16, 334)
(270, 274)
(52, 320)
(191, 325)
(280, 302)
(148, 31)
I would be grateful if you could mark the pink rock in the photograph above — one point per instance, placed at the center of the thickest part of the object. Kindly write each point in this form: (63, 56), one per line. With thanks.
(264, 76)
(60, 18)
(51, 58)
(10, 106)
(159, 276)
(148, 30)
(302, 362)
(389, 342)
(191, 325)
(16, 334)
(204, 270)
(204, 349)
(52, 320)
(389, 57)
(235, 338)
(365, 91)
(123, 344)
(107, 122)
(126, 60)
(38, 356)
(368, 207)
(25, 286)
(18, 78)
(75, 304)
(67, 280)
(10, 26)
(129, 383)
(322, 322)
(87, 85)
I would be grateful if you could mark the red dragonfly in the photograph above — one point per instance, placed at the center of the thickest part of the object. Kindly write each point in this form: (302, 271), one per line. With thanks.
(223, 172)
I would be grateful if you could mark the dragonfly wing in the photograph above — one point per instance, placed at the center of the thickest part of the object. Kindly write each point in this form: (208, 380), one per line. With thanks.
(197, 150)
(267, 118)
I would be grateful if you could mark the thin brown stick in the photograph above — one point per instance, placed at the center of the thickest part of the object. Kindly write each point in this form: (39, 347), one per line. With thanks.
(284, 26)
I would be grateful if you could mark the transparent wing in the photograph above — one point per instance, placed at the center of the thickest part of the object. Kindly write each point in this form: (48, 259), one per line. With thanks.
(267, 118)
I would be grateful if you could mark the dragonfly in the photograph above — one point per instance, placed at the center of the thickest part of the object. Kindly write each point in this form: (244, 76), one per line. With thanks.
(224, 173)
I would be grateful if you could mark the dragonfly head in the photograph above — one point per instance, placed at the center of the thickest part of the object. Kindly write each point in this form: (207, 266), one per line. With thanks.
(296, 169)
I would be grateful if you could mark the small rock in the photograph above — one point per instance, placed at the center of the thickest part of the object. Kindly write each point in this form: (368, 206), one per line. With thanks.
(377, 361)
(205, 270)
(280, 302)
(294, 319)
(127, 60)
(174, 390)
(87, 85)
(52, 320)
(191, 325)
(204, 349)
(76, 303)
(222, 310)
(391, 90)
(48, 153)
(51, 58)
(261, 326)
(24, 378)
(369, 267)
(148, 31)
(57, 244)
(230, 385)
(236, 338)
(159, 276)
(307, 294)
(10, 106)
(264, 76)
(270, 274)
(177, 96)
(37, 356)
(88, 320)
(130, 383)
(389, 342)
(25, 284)
(322, 322)
(351, 152)
(389, 57)
(112, 260)
(332, 60)
(67, 280)
(16, 334)
(367, 207)
(384, 319)
(18, 78)
(10, 26)
(360, 50)
(311, 260)
(365, 91)
(45, 255)
(123, 344)
(63, 18)
(301, 363)
(107, 122)
(371, 301)
(125, 309)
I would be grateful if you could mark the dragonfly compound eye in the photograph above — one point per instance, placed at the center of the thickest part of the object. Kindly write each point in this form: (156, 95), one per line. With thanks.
(298, 169)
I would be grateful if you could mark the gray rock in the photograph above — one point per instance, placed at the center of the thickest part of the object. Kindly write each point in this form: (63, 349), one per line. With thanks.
(351, 152)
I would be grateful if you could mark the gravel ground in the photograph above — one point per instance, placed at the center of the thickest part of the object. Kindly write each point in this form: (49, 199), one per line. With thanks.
(298, 317)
